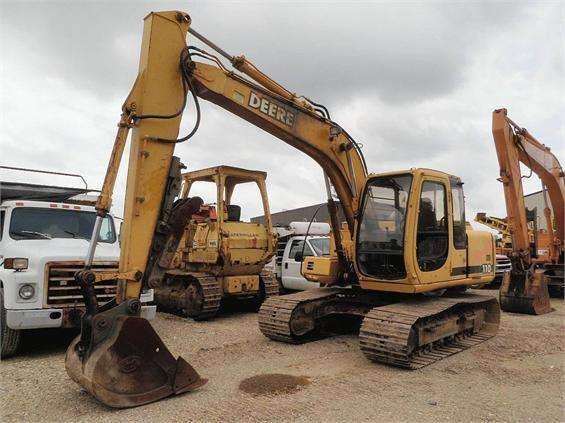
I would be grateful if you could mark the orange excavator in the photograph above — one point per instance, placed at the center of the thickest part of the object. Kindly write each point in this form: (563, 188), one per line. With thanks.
(404, 233)
(525, 288)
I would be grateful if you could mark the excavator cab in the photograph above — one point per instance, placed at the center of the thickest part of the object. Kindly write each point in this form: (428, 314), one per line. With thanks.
(411, 236)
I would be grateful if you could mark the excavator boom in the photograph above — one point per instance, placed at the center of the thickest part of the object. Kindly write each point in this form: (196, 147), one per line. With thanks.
(524, 289)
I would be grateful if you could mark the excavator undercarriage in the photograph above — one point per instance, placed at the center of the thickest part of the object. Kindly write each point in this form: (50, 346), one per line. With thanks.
(396, 330)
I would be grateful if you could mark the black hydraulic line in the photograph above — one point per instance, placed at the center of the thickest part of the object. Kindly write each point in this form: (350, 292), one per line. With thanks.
(321, 106)
(187, 86)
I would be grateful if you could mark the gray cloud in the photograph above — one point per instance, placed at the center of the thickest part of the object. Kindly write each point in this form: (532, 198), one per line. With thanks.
(414, 82)
(401, 52)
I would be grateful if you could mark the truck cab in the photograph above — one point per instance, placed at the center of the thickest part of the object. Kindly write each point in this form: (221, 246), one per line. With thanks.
(42, 245)
(291, 250)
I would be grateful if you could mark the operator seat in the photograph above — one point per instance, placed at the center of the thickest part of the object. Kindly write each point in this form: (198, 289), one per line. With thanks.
(427, 218)
(234, 213)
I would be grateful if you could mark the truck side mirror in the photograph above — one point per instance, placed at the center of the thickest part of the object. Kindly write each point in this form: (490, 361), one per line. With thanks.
(299, 257)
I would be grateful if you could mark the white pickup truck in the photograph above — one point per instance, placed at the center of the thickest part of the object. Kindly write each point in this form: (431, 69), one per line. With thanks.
(291, 243)
(42, 245)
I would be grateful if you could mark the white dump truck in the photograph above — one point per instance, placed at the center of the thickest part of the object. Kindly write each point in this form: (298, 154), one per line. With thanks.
(290, 247)
(44, 234)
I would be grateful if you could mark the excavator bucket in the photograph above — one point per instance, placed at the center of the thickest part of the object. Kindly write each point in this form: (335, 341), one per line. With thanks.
(525, 293)
(122, 362)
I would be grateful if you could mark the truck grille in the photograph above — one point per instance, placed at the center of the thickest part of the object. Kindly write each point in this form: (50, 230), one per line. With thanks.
(281, 245)
(63, 291)
(503, 265)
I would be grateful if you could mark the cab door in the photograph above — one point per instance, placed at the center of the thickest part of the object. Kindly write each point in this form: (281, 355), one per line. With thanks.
(432, 231)
(291, 276)
(459, 264)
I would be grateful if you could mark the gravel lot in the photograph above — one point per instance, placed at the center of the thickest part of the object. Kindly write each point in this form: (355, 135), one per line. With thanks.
(515, 376)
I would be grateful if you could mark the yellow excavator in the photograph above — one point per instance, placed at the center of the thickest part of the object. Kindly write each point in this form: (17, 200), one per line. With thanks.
(404, 233)
(525, 288)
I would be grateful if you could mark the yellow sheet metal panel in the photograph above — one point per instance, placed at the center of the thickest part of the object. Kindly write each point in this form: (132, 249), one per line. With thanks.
(241, 284)
(321, 269)
(481, 254)
(156, 92)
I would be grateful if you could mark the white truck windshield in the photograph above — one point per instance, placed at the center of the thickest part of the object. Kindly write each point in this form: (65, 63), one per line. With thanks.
(40, 223)
(321, 246)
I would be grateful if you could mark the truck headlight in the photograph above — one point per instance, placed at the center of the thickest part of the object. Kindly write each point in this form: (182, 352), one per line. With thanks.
(16, 263)
(26, 292)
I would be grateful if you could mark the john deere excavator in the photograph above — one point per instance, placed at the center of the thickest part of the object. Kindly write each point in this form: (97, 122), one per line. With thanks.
(525, 288)
(404, 232)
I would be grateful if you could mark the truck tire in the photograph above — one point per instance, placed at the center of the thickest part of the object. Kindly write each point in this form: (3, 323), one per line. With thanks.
(10, 338)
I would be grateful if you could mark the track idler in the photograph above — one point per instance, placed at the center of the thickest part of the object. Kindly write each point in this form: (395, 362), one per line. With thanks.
(122, 362)
(525, 293)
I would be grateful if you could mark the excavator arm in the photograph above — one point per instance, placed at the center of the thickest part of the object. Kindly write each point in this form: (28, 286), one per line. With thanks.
(525, 288)
(118, 357)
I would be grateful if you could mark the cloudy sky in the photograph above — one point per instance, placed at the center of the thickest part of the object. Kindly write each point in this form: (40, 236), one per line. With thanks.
(414, 82)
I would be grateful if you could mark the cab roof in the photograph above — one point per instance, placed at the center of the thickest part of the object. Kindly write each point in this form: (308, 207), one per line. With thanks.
(239, 174)
(21, 191)
(414, 170)
(46, 205)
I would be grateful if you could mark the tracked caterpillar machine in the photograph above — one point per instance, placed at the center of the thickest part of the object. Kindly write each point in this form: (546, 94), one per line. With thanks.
(214, 256)
(404, 233)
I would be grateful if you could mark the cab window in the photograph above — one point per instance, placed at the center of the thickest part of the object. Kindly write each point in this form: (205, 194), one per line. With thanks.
(34, 223)
(458, 199)
(432, 236)
(2, 214)
(380, 238)
(321, 246)
(296, 247)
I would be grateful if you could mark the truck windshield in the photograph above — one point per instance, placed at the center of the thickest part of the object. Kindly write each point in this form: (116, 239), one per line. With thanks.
(321, 246)
(40, 223)
(380, 242)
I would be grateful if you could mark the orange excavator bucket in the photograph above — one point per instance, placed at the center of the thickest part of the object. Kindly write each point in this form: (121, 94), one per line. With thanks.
(122, 362)
(525, 293)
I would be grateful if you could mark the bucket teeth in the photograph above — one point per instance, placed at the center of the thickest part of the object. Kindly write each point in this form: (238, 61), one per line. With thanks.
(129, 365)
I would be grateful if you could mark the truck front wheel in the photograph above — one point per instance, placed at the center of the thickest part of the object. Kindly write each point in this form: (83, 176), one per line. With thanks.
(10, 338)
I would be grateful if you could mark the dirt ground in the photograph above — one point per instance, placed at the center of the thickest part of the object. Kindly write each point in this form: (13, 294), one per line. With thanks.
(515, 376)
